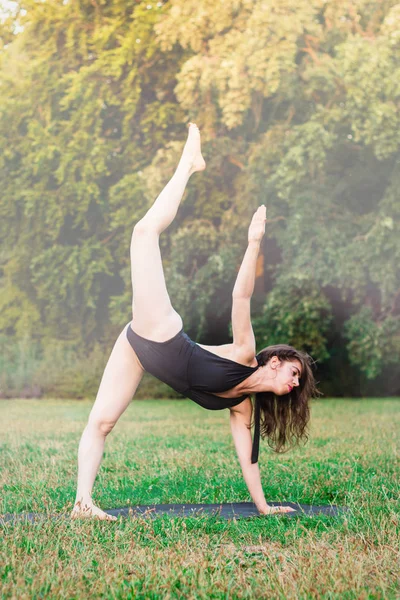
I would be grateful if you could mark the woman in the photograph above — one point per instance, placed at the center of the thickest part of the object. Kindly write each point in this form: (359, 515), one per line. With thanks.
(215, 377)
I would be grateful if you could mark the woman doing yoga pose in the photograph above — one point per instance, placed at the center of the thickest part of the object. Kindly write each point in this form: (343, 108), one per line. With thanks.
(215, 377)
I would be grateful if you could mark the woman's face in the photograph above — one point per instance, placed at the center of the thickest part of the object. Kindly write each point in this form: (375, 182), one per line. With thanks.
(284, 375)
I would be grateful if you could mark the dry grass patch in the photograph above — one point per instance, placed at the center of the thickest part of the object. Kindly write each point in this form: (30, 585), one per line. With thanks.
(92, 559)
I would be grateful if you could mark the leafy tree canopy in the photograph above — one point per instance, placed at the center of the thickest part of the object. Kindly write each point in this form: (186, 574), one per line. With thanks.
(298, 103)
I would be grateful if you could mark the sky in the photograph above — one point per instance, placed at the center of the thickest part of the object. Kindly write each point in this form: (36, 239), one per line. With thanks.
(8, 7)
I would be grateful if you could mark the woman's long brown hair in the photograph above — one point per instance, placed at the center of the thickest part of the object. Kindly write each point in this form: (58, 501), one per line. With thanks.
(284, 419)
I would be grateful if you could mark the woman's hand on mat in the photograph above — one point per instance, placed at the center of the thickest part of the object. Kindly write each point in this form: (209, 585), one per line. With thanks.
(257, 225)
(88, 510)
(271, 510)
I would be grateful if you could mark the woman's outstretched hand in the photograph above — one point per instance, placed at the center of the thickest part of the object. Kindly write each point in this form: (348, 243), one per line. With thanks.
(271, 510)
(257, 225)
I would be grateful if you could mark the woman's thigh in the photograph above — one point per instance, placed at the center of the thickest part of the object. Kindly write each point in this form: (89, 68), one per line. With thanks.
(118, 385)
(153, 315)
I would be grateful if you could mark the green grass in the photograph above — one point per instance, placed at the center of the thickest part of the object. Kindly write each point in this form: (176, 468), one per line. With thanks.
(174, 451)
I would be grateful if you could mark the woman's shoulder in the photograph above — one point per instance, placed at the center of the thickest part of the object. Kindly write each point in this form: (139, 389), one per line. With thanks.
(233, 352)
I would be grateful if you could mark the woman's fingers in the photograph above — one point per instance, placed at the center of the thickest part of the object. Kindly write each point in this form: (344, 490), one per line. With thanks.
(279, 509)
(261, 211)
(286, 509)
(257, 225)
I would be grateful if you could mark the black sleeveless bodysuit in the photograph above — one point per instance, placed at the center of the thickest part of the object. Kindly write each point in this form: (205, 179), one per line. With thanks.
(195, 372)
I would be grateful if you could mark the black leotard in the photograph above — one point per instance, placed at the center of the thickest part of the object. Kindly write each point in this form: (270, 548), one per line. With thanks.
(195, 372)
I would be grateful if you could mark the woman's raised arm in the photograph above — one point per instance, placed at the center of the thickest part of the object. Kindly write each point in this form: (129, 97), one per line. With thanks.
(244, 286)
(243, 336)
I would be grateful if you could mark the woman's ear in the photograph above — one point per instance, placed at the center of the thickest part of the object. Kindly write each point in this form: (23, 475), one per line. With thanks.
(274, 362)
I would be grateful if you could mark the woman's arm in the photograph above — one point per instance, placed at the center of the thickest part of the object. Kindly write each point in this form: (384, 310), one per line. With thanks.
(244, 286)
(240, 418)
(242, 330)
(245, 280)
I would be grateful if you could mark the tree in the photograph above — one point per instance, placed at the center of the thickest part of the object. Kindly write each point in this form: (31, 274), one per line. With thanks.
(298, 107)
(313, 87)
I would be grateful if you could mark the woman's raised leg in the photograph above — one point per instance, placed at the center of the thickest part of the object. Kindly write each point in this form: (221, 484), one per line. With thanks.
(153, 314)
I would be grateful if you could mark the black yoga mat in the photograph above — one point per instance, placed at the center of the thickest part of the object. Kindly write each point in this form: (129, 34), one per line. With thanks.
(234, 510)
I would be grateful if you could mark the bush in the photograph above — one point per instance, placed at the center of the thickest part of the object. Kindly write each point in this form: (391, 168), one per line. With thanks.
(62, 369)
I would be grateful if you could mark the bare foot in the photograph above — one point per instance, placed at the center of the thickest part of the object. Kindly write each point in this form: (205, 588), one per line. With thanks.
(192, 151)
(90, 511)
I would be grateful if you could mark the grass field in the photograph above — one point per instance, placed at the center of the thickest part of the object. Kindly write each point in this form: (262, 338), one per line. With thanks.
(174, 451)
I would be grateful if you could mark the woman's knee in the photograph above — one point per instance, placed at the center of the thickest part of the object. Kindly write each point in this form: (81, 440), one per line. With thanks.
(145, 227)
(139, 228)
(100, 425)
(142, 233)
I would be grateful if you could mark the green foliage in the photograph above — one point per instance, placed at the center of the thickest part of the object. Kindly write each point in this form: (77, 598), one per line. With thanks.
(76, 90)
(295, 313)
(373, 345)
(201, 274)
(297, 102)
(32, 368)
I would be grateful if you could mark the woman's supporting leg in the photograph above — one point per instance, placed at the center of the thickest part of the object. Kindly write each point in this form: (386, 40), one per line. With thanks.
(153, 314)
(120, 380)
